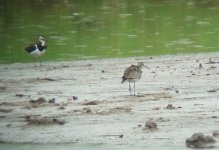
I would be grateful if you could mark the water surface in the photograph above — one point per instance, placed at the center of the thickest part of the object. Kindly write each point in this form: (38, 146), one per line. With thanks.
(108, 29)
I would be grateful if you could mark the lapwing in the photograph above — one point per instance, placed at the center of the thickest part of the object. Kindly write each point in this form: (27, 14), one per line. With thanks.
(37, 49)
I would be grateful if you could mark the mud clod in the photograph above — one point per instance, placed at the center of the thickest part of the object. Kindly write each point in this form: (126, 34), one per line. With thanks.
(216, 133)
(212, 91)
(91, 103)
(170, 106)
(150, 125)
(19, 95)
(46, 79)
(3, 88)
(5, 110)
(87, 110)
(53, 100)
(61, 108)
(74, 98)
(199, 140)
(34, 120)
(40, 100)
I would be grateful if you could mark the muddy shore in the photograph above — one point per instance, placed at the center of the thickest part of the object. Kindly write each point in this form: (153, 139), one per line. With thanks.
(84, 101)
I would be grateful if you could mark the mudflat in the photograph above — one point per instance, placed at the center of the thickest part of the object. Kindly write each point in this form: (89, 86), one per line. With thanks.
(85, 102)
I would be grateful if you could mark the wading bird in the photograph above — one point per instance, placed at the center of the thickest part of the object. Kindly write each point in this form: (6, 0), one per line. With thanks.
(132, 74)
(37, 49)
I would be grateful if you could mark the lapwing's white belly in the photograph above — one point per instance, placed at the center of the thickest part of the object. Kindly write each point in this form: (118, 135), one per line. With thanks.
(37, 52)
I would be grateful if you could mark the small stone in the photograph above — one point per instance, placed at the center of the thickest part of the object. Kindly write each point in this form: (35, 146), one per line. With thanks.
(61, 108)
(150, 125)
(102, 71)
(216, 133)
(74, 98)
(19, 95)
(91, 103)
(139, 126)
(3, 88)
(200, 66)
(89, 65)
(176, 91)
(87, 110)
(215, 117)
(38, 101)
(41, 100)
(156, 108)
(52, 100)
(212, 91)
(58, 121)
(121, 136)
(170, 106)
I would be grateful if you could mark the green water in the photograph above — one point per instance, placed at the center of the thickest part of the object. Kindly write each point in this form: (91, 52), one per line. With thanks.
(81, 29)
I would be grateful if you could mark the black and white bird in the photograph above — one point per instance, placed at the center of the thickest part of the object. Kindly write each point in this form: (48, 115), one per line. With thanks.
(37, 49)
(132, 74)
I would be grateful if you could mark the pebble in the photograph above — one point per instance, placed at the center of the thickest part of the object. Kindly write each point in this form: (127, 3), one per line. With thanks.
(150, 125)
(170, 106)
(52, 100)
(39, 100)
(74, 97)
(216, 133)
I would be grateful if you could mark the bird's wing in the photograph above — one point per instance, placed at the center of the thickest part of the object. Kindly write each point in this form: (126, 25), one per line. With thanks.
(127, 73)
(30, 48)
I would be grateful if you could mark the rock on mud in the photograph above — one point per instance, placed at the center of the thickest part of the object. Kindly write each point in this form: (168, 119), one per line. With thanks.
(216, 133)
(150, 125)
(199, 140)
(53, 100)
(170, 106)
(95, 102)
(40, 100)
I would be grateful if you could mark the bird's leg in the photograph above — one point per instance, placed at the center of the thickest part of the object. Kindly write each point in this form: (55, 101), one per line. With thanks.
(134, 87)
(130, 90)
(40, 62)
(35, 65)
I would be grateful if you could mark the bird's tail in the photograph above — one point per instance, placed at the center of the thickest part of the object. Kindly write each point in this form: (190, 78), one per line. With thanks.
(123, 79)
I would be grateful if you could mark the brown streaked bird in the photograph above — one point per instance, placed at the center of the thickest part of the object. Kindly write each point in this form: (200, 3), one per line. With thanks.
(132, 74)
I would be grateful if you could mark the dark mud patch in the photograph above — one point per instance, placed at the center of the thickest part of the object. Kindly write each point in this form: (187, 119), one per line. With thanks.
(3, 88)
(216, 133)
(40, 100)
(95, 102)
(170, 106)
(41, 79)
(8, 104)
(116, 110)
(3, 110)
(37, 120)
